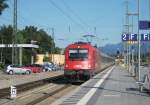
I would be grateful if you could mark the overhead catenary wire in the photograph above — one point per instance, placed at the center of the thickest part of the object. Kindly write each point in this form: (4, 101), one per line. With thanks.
(74, 13)
(23, 21)
(65, 14)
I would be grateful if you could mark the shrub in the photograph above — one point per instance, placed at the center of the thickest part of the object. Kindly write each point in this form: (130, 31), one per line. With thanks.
(1, 66)
(46, 59)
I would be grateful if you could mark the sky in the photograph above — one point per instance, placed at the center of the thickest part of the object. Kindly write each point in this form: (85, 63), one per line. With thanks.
(72, 19)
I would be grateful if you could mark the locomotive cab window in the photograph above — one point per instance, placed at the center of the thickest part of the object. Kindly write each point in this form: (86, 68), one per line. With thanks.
(78, 54)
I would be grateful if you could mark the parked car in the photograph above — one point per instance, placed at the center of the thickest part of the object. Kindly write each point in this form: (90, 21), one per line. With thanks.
(35, 68)
(38, 66)
(16, 69)
(47, 68)
(50, 66)
(56, 67)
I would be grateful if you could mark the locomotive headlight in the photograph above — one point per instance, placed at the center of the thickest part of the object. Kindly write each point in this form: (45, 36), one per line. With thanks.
(66, 65)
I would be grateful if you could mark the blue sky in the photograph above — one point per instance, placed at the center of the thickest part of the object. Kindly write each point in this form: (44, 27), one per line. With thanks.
(108, 16)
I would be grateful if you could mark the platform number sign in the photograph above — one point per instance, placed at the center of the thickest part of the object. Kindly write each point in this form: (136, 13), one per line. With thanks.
(145, 37)
(125, 37)
(13, 92)
(133, 37)
(129, 37)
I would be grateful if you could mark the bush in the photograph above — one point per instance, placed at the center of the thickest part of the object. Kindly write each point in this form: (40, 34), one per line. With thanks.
(1, 66)
(46, 59)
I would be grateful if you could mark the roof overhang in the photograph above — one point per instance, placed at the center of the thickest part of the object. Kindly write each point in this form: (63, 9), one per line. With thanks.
(19, 45)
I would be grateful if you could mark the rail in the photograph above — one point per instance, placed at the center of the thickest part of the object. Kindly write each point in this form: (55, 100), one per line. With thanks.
(5, 92)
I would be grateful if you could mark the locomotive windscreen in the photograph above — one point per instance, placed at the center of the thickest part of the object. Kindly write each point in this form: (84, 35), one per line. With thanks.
(78, 54)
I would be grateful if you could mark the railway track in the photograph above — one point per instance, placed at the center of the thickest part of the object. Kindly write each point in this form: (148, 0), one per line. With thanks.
(48, 95)
(34, 93)
(5, 93)
(41, 92)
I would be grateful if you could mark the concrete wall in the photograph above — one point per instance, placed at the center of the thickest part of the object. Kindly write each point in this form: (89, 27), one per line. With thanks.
(56, 58)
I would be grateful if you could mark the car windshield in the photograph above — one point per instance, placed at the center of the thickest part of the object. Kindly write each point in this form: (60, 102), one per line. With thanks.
(15, 66)
(78, 53)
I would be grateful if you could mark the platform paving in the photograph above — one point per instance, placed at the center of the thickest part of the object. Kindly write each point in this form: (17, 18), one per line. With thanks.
(118, 88)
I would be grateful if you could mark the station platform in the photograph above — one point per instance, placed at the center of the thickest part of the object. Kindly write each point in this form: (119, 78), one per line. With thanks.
(13, 80)
(114, 86)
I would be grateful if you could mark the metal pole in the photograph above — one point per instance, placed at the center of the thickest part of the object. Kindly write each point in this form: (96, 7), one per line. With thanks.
(53, 47)
(2, 51)
(124, 48)
(20, 56)
(130, 56)
(139, 57)
(14, 49)
(127, 31)
(133, 61)
(32, 57)
(132, 51)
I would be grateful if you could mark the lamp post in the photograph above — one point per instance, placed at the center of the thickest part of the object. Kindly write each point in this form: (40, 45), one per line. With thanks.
(130, 49)
(139, 52)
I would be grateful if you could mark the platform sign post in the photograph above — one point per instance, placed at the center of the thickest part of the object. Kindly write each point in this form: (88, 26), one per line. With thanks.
(130, 39)
(13, 92)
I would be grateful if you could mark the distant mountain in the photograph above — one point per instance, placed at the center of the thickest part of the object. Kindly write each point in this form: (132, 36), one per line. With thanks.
(111, 49)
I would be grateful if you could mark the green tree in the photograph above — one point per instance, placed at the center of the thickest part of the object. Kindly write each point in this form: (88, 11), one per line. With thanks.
(43, 40)
(57, 50)
(24, 37)
(3, 5)
(6, 38)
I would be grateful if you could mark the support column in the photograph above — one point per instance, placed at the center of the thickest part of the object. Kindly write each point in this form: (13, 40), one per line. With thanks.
(20, 56)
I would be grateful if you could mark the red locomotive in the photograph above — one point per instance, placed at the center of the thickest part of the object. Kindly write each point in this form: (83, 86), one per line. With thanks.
(82, 61)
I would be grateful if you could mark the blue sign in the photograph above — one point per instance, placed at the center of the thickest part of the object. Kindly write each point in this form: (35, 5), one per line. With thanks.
(125, 37)
(129, 37)
(144, 25)
(133, 37)
(145, 37)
